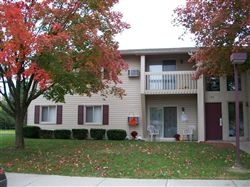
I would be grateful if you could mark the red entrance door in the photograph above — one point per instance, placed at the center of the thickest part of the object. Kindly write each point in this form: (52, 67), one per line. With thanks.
(213, 125)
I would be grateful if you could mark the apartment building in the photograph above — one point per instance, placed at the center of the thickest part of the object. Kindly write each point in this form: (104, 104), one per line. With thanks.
(161, 93)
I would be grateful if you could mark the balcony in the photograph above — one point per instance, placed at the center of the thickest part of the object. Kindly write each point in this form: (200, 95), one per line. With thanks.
(170, 82)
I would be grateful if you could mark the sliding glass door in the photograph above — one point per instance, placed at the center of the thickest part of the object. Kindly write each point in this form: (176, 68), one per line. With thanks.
(165, 120)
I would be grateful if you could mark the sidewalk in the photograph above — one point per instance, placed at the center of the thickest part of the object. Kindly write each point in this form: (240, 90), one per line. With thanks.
(244, 146)
(28, 180)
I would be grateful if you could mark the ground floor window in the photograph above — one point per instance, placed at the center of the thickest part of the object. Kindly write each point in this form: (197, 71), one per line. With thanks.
(94, 114)
(231, 115)
(48, 114)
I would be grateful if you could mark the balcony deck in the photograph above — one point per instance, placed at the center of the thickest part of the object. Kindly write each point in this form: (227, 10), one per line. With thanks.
(173, 82)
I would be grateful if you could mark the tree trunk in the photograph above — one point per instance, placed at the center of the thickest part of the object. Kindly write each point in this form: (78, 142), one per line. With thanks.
(19, 122)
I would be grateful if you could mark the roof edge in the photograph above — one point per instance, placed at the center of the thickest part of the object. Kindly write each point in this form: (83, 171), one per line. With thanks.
(157, 51)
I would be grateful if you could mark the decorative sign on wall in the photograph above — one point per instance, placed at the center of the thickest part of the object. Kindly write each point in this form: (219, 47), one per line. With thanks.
(133, 121)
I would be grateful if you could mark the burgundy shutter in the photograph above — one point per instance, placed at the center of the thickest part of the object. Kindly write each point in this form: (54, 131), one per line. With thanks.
(105, 115)
(80, 114)
(59, 114)
(37, 114)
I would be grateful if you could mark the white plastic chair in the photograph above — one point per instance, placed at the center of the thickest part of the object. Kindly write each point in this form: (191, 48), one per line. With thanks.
(188, 133)
(152, 131)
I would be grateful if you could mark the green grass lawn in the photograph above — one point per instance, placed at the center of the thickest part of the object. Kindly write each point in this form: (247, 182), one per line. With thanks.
(123, 159)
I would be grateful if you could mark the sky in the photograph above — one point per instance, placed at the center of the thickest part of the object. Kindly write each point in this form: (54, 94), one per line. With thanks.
(151, 26)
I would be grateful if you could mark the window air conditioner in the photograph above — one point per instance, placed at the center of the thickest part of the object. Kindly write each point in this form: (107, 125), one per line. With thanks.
(133, 73)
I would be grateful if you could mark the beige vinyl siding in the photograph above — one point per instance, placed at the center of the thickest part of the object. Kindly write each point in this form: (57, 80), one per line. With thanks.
(135, 102)
(189, 102)
(119, 109)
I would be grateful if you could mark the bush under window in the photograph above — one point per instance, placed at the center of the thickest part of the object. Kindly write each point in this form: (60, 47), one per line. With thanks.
(116, 134)
(80, 134)
(46, 134)
(97, 134)
(62, 134)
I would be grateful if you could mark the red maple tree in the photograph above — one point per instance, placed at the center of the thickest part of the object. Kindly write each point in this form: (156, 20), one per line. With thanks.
(57, 47)
(219, 27)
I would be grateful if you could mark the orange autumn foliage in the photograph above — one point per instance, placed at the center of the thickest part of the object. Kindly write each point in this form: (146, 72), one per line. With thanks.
(219, 28)
(55, 48)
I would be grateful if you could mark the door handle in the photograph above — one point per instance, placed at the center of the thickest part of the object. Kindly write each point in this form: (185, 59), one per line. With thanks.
(221, 122)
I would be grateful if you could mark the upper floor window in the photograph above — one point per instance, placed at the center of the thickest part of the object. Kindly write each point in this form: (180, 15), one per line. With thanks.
(213, 83)
(160, 66)
(231, 83)
(155, 68)
(169, 65)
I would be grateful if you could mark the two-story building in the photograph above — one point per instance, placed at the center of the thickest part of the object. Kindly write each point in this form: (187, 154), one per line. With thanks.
(161, 93)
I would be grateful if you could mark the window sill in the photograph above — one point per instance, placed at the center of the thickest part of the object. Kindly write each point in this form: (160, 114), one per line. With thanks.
(47, 123)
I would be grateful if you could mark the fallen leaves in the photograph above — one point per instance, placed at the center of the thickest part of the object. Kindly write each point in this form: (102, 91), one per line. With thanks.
(131, 159)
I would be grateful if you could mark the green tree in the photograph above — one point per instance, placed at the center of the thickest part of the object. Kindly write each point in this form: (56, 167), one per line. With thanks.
(57, 47)
(6, 121)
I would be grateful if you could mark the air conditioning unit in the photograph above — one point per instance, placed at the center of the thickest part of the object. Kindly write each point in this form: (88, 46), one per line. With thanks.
(133, 73)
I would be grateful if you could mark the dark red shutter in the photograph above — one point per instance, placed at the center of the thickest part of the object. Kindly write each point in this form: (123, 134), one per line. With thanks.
(105, 115)
(59, 114)
(37, 114)
(80, 114)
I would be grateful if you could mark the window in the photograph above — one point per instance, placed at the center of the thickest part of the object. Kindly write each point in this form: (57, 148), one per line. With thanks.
(52, 114)
(231, 84)
(213, 84)
(232, 124)
(158, 80)
(169, 65)
(154, 82)
(94, 114)
(48, 114)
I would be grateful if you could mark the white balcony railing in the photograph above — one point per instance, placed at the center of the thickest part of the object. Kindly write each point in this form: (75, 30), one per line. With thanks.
(171, 82)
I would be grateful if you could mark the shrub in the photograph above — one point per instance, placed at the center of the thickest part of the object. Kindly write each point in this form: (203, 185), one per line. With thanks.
(31, 131)
(177, 137)
(116, 134)
(46, 134)
(97, 134)
(6, 121)
(7, 124)
(80, 134)
(62, 134)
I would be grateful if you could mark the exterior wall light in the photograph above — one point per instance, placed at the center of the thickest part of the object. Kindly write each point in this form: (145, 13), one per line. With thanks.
(184, 117)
